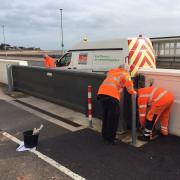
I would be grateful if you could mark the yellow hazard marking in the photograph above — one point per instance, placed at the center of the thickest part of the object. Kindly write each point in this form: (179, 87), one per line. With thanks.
(150, 60)
(143, 55)
(132, 43)
(135, 53)
(146, 64)
(136, 67)
(150, 43)
(150, 51)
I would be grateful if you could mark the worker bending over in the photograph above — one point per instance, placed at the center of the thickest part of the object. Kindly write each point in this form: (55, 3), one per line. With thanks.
(153, 104)
(109, 96)
(49, 62)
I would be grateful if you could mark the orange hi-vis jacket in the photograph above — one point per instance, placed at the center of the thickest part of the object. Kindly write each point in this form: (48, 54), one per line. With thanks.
(149, 97)
(115, 81)
(49, 62)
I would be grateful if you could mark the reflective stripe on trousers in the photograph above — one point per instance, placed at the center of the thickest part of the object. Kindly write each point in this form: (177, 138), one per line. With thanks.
(147, 132)
(164, 130)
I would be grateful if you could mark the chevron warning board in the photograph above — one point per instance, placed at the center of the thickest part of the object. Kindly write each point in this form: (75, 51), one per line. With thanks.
(140, 54)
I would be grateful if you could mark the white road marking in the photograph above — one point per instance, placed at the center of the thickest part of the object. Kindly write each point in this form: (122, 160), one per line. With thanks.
(12, 137)
(50, 161)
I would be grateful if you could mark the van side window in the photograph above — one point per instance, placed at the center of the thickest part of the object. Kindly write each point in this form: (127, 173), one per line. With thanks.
(65, 60)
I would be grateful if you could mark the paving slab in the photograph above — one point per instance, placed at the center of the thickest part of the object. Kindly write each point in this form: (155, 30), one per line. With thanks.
(3, 95)
(62, 111)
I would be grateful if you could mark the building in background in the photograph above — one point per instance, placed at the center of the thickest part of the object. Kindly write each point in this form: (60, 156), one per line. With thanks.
(167, 51)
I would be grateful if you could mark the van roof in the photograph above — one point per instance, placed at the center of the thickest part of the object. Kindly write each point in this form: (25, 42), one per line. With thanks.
(115, 44)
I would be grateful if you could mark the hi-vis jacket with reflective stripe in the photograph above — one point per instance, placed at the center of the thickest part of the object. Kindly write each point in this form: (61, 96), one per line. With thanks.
(151, 96)
(49, 62)
(116, 79)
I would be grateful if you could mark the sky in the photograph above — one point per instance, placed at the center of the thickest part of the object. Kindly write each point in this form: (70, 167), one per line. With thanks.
(37, 22)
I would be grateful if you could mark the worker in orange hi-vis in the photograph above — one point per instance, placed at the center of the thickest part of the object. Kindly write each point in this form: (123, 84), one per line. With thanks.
(49, 62)
(154, 103)
(109, 96)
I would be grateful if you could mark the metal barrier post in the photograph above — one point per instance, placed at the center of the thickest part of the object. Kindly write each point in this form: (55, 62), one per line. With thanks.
(9, 78)
(133, 99)
(90, 105)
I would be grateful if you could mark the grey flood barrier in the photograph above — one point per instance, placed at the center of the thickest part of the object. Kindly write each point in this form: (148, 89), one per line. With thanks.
(64, 87)
(67, 88)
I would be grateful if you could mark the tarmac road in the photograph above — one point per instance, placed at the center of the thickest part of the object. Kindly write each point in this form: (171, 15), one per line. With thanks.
(16, 164)
(79, 154)
(24, 165)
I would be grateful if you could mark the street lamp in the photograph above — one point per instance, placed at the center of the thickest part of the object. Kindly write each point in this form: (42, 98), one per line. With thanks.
(4, 40)
(62, 43)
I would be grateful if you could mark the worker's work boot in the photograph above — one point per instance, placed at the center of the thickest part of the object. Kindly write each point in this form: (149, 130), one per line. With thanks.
(144, 138)
(155, 134)
(147, 135)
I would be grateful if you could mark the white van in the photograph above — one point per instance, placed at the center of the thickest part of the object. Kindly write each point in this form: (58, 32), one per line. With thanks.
(103, 55)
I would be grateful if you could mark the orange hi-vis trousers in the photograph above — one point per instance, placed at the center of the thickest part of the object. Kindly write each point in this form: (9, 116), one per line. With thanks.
(162, 113)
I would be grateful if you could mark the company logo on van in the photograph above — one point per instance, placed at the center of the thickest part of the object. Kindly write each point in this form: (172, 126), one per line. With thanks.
(83, 58)
(104, 58)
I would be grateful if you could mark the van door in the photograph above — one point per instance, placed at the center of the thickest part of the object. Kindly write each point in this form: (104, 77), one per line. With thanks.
(105, 60)
(83, 60)
(65, 62)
